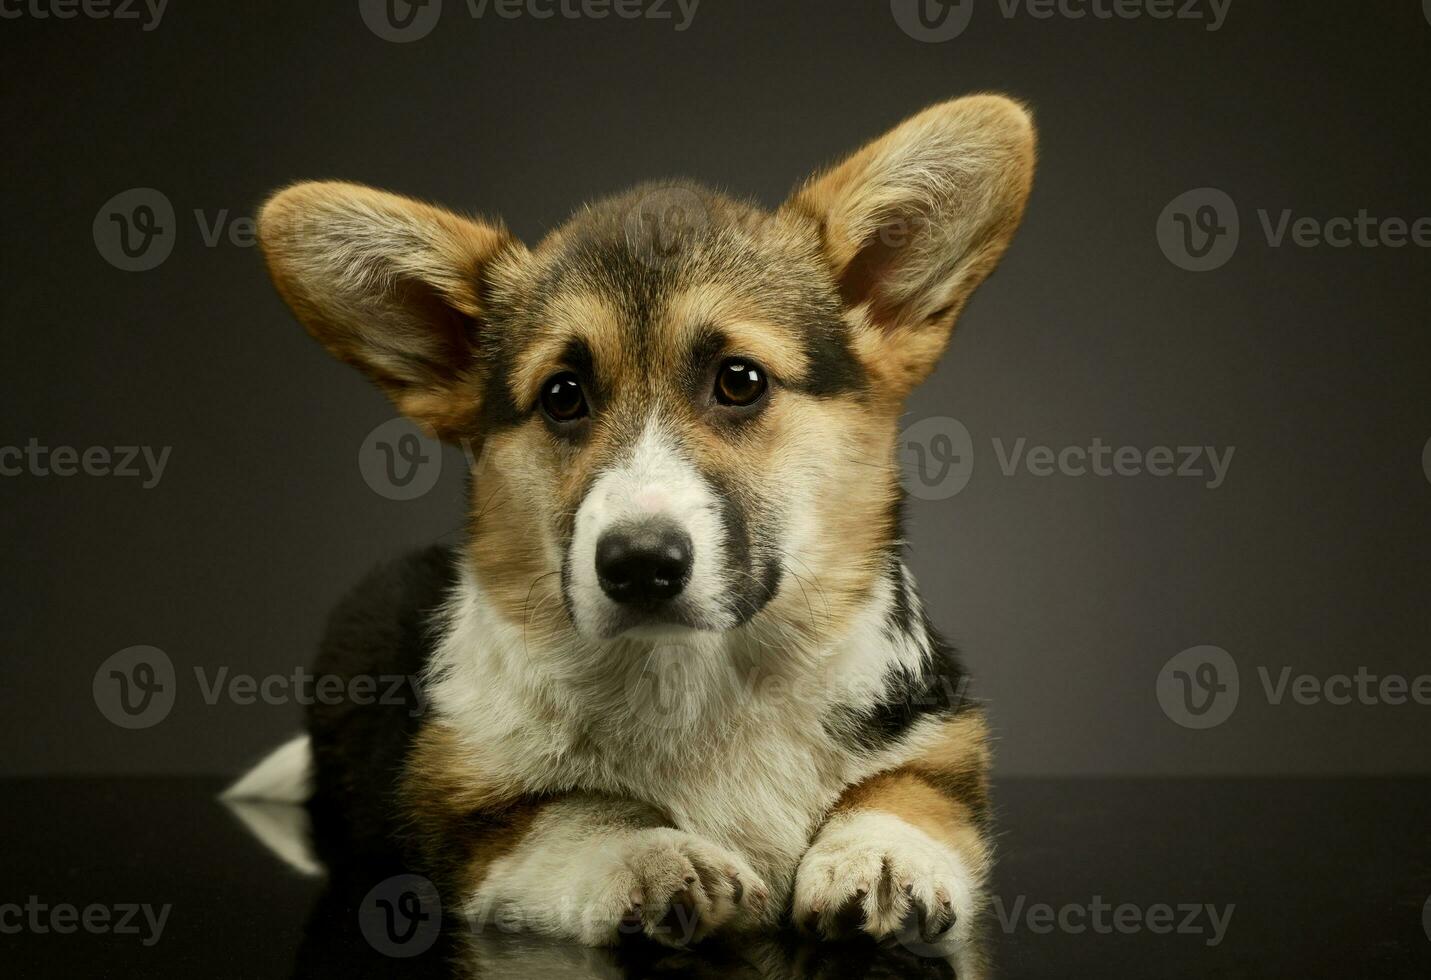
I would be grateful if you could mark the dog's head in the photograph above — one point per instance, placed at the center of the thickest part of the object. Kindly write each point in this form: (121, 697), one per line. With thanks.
(683, 407)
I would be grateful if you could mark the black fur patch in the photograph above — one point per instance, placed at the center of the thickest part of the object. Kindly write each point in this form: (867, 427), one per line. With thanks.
(901, 620)
(834, 370)
(577, 357)
(709, 344)
(939, 688)
(753, 578)
(497, 409)
(383, 628)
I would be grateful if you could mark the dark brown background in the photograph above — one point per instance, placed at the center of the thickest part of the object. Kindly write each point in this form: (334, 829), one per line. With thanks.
(1068, 594)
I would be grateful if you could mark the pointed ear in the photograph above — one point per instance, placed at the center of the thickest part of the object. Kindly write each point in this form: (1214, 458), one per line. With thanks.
(389, 285)
(914, 221)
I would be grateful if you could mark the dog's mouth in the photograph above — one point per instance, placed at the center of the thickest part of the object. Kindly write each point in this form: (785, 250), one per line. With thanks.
(670, 620)
(630, 610)
(659, 628)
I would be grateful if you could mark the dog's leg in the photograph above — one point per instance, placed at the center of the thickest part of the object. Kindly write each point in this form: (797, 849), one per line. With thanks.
(905, 852)
(579, 867)
(590, 868)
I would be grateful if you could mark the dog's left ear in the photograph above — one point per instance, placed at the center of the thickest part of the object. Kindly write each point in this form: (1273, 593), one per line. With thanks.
(911, 223)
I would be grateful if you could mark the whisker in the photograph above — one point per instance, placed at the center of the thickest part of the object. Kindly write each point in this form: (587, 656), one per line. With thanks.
(526, 615)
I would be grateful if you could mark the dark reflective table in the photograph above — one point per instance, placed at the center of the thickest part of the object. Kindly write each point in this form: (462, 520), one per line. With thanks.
(1119, 878)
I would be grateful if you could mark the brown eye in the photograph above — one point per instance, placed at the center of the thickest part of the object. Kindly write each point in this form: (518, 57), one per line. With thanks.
(562, 399)
(739, 382)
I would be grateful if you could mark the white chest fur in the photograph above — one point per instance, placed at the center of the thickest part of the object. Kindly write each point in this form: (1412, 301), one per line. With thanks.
(729, 746)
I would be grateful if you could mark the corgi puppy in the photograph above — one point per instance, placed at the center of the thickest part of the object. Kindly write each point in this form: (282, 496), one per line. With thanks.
(676, 679)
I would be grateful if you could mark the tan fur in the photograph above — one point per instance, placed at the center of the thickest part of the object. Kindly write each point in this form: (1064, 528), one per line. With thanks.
(387, 284)
(942, 791)
(582, 316)
(508, 525)
(743, 320)
(958, 759)
(915, 220)
(911, 797)
(841, 445)
(461, 816)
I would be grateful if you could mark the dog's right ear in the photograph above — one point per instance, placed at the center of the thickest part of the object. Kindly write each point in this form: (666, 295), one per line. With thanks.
(389, 285)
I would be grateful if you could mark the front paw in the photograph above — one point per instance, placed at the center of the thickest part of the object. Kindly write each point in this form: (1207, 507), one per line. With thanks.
(872, 872)
(677, 888)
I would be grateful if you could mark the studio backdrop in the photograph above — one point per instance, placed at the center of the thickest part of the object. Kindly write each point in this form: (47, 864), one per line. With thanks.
(1169, 490)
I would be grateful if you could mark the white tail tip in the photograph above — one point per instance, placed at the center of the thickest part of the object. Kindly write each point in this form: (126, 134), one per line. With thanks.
(284, 776)
(268, 799)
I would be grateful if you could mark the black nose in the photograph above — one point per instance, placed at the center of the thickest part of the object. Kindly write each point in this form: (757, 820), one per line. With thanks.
(643, 564)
